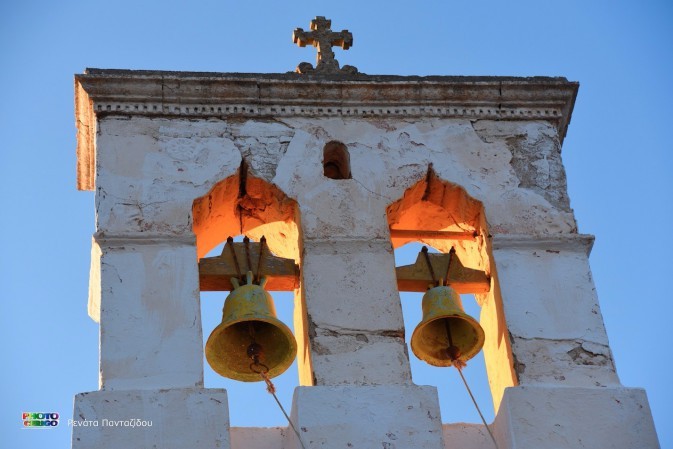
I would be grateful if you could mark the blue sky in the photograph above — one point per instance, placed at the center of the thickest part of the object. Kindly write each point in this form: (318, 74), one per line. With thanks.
(618, 157)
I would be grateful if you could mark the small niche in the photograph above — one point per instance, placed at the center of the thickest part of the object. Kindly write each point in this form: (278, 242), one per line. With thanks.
(336, 161)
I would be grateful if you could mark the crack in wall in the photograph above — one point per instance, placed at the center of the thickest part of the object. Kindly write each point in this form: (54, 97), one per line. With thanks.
(341, 331)
(348, 340)
(582, 356)
(582, 352)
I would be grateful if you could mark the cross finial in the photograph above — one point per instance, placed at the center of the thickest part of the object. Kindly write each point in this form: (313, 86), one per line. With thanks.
(323, 38)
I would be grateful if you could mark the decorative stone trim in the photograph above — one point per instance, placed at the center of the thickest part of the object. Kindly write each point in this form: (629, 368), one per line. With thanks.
(320, 245)
(108, 240)
(561, 242)
(251, 110)
(100, 93)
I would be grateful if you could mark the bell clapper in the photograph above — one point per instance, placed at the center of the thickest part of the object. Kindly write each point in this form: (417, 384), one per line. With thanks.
(255, 350)
(452, 351)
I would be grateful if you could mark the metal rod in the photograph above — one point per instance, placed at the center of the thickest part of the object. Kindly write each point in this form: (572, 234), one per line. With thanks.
(439, 235)
(246, 241)
(262, 242)
(230, 244)
(448, 266)
(424, 250)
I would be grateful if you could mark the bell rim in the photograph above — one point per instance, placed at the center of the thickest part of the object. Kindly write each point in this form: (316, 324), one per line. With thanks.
(481, 339)
(253, 377)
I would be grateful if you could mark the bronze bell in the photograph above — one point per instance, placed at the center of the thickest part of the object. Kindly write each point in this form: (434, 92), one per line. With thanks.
(446, 332)
(250, 339)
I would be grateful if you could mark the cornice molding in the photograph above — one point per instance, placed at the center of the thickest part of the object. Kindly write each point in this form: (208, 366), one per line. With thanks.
(100, 93)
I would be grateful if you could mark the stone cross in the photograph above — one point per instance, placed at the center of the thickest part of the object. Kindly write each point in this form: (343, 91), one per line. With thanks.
(323, 38)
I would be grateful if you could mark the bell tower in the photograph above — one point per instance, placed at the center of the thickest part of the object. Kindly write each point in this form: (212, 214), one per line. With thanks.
(327, 170)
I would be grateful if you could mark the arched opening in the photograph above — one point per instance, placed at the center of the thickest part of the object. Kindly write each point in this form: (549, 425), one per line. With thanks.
(336, 160)
(246, 206)
(442, 216)
(455, 403)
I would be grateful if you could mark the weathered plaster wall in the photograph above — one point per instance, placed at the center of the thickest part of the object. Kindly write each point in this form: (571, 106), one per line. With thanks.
(160, 166)
(492, 166)
(171, 419)
(554, 321)
(386, 416)
(150, 171)
(150, 332)
(539, 416)
(536, 157)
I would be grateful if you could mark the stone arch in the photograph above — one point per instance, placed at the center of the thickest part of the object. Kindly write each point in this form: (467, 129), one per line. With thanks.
(246, 204)
(434, 204)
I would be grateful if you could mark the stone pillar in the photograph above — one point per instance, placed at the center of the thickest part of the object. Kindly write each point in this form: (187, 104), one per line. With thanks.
(553, 317)
(144, 292)
(150, 317)
(362, 394)
(354, 314)
(568, 394)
